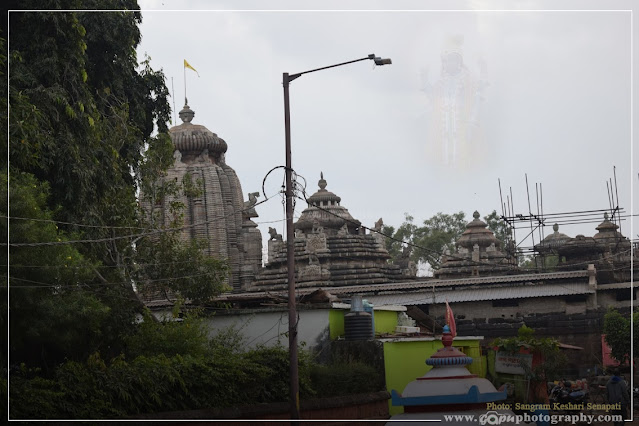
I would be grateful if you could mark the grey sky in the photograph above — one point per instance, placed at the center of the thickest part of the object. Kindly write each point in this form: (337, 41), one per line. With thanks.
(557, 105)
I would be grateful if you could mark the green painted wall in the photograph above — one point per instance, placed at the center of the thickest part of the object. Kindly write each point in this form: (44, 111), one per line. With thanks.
(385, 321)
(336, 323)
(404, 361)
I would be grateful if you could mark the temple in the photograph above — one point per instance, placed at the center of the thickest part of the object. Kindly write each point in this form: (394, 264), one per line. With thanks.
(215, 210)
(479, 253)
(608, 250)
(332, 249)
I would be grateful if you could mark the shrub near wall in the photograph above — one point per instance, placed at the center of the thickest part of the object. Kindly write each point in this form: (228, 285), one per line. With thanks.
(345, 379)
(95, 390)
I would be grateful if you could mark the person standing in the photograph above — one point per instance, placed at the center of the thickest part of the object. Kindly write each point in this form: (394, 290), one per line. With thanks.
(617, 392)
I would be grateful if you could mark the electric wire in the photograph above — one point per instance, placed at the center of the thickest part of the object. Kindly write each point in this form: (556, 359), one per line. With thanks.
(144, 281)
(131, 236)
(435, 252)
(407, 243)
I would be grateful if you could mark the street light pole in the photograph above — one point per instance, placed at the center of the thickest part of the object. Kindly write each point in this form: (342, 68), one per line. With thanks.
(294, 394)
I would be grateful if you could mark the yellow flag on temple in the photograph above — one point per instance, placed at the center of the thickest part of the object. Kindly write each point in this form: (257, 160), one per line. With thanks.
(187, 65)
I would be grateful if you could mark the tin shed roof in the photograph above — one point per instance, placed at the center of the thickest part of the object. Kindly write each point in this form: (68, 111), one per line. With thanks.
(477, 294)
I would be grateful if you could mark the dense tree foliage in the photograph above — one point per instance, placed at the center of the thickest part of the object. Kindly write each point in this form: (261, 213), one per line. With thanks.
(87, 130)
(184, 369)
(617, 330)
(436, 235)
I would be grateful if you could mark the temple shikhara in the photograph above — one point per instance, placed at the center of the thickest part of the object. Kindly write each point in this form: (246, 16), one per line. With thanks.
(216, 212)
(479, 253)
(332, 249)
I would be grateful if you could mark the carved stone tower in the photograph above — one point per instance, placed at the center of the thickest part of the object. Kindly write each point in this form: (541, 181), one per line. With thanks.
(215, 208)
(479, 253)
(332, 249)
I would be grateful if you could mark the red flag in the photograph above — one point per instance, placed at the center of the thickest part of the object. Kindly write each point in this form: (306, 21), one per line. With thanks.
(450, 320)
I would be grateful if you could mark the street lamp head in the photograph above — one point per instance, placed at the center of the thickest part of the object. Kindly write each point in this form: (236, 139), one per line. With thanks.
(380, 61)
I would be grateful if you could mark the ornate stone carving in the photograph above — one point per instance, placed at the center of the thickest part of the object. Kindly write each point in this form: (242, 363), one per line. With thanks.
(375, 232)
(316, 243)
(317, 228)
(407, 266)
(249, 209)
(343, 231)
(274, 235)
(313, 271)
(204, 156)
(178, 157)
(378, 225)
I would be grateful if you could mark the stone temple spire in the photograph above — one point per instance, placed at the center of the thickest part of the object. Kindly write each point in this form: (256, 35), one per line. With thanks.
(331, 249)
(215, 212)
(478, 253)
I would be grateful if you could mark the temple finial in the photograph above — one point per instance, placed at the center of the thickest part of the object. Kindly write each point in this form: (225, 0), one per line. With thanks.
(322, 182)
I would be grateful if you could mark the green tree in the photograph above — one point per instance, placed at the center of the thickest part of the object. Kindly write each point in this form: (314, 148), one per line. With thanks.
(547, 364)
(81, 145)
(616, 327)
(438, 234)
(49, 283)
(499, 227)
(428, 241)
(403, 233)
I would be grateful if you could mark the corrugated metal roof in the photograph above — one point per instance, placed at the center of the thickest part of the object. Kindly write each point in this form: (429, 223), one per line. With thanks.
(477, 294)
(416, 285)
(615, 286)
(459, 282)
(426, 286)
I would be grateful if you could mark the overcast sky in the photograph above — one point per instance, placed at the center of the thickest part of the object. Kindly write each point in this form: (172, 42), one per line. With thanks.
(542, 92)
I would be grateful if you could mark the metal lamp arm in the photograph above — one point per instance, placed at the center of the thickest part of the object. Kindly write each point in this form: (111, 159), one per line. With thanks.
(292, 77)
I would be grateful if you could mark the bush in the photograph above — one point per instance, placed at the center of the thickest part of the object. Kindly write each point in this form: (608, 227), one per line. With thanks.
(345, 379)
(95, 390)
(169, 337)
(178, 367)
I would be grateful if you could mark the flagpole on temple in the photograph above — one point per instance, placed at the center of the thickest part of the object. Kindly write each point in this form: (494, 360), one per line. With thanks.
(184, 71)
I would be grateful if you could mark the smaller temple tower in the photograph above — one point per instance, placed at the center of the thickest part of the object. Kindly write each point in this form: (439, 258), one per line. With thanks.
(608, 250)
(447, 388)
(331, 249)
(479, 253)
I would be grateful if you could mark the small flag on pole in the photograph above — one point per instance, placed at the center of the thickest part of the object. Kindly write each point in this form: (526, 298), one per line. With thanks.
(450, 320)
(187, 65)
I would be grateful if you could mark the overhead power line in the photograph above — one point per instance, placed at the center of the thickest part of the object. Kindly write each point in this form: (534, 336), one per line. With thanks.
(410, 244)
(130, 236)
